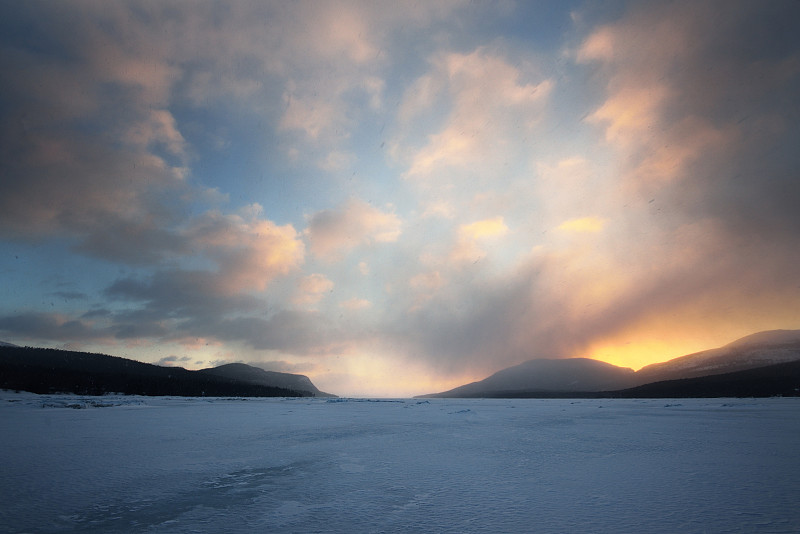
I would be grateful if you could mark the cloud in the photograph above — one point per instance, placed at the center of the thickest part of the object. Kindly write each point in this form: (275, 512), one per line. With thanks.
(89, 147)
(486, 228)
(312, 288)
(663, 109)
(439, 208)
(290, 332)
(333, 233)
(583, 225)
(51, 326)
(490, 104)
(337, 161)
(427, 281)
(695, 109)
(158, 128)
(250, 251)
(685, 196)
(470, 236)
(355, 303)
(246, 254)
(483, 326)
(70, 295)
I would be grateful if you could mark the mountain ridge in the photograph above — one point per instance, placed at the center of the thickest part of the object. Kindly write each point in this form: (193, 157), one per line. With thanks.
(562, 377)
(40, 370)
(256, 375)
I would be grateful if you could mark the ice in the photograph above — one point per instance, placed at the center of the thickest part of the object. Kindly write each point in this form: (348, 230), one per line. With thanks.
(136, 464)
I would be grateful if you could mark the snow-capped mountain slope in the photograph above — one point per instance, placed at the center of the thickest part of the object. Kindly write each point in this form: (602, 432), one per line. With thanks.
(756, 350)
(584, 375)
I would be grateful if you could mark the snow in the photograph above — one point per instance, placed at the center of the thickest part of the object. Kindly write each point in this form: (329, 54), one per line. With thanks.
(137, 464)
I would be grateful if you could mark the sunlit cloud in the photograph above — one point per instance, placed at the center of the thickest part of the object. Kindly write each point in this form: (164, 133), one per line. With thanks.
(473, 235)
(489, 105)
(480, 229)
(250, 251)
(439, 208)
(590, 225)
(312, 288)
(333, 233)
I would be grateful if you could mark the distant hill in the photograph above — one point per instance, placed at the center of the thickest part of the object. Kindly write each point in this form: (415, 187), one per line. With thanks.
(761, 353)
(548, 375)
(255, 375)
(756, 350)
(782, 379)
(59, 371)
(6, 344)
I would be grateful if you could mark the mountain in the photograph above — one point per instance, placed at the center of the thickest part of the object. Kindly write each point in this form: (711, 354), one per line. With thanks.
(762, 353)
(6, 344)
(255, 375)
(548, 376)
(60, 371)
(756, 350)
(782, 379)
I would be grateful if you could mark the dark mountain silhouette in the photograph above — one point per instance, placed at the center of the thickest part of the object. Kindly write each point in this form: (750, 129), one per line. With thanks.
(782, 379)
(758, 357)
(59, 371)
(255, 375)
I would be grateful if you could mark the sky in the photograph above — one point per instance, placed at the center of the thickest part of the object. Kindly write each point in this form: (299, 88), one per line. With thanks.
(395, 198)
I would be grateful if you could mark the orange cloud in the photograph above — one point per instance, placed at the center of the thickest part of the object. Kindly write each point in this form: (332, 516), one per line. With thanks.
(632, 113)
(468, 247)
(486, 228)
(250, 252)
(583, 225)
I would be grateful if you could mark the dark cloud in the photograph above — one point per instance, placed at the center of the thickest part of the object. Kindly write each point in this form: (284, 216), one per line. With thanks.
(743, 74)
(47, 326)
(70, 295)
(183, 304)
(96, 313)
(294, 332)
(139, 330)
(479, 326)
(87, 151)
(730, 73)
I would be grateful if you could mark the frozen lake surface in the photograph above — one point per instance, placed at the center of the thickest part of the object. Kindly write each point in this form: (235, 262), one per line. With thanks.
(440, 465)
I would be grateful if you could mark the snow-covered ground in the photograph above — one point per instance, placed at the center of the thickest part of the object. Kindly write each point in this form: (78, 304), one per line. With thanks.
(135, 464)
